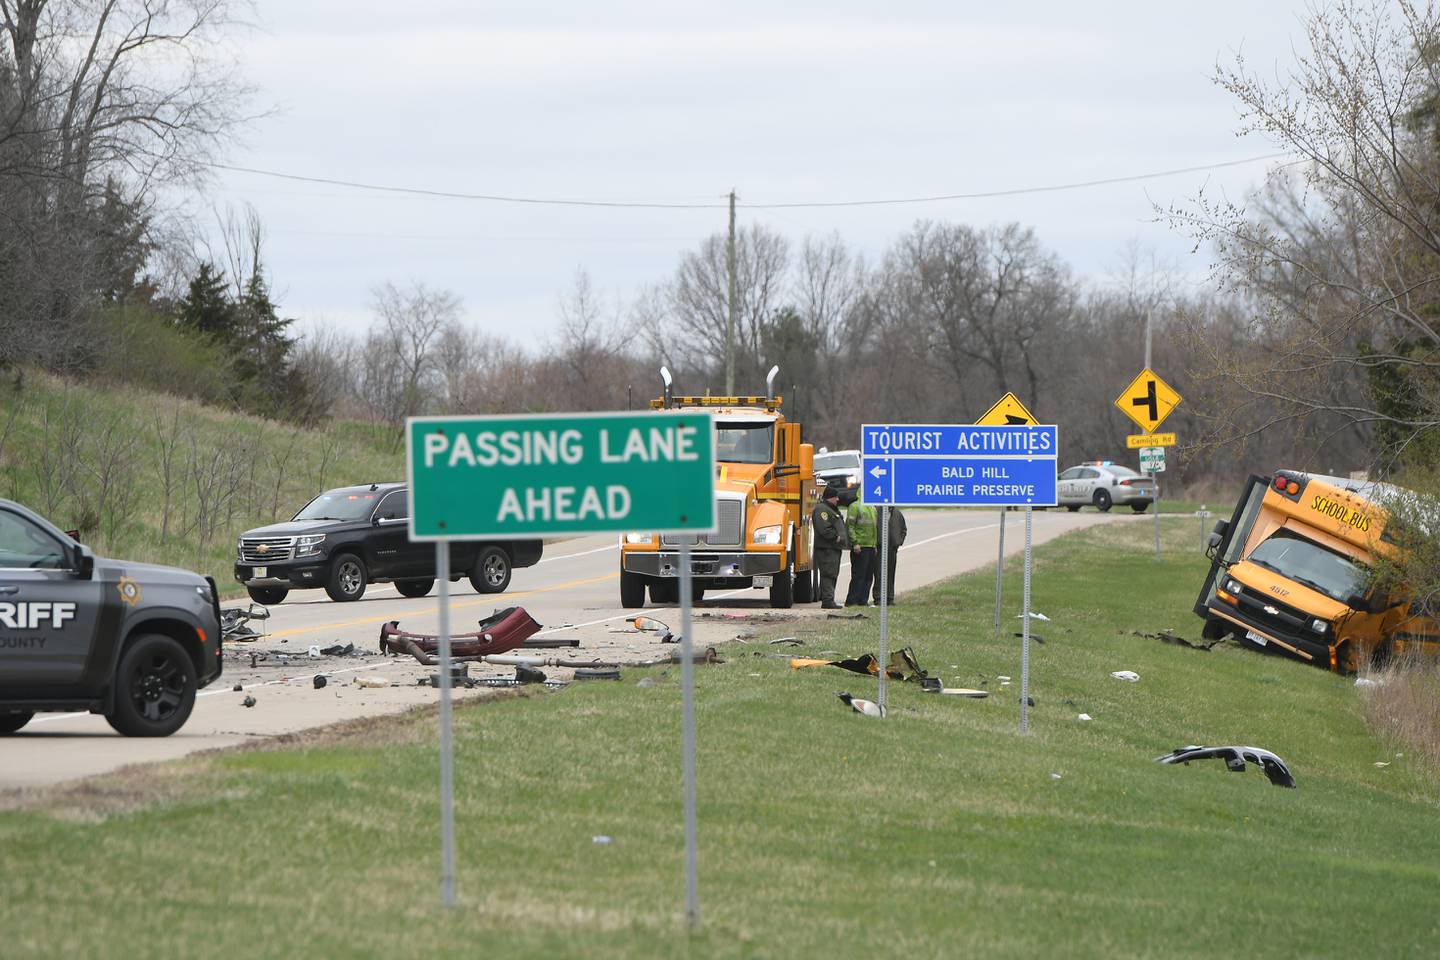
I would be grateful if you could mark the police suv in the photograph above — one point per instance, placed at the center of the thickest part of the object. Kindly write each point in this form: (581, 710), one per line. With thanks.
(132, 641)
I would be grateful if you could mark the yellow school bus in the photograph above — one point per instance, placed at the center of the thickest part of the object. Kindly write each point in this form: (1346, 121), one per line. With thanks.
(1290, 571)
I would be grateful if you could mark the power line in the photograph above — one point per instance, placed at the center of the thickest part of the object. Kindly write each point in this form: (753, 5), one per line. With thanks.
(653, 205)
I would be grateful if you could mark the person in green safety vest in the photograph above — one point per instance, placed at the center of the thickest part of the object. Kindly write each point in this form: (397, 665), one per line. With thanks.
(861, 523)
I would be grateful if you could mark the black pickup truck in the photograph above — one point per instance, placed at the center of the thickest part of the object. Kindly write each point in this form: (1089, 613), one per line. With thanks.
(349, 537)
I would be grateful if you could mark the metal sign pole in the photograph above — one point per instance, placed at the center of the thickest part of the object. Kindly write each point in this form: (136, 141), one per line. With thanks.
(1156, 478)
(999, 570)
(884, 599)
(1025, 633)
(447, 753)
(687, 723)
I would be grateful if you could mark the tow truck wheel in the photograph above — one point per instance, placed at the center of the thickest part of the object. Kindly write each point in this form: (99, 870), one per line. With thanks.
(154, 688)
(782, 589)
(664, 591)
(10, 722)
(347, 578)
(805, 586)
(1102, 500)
(492, 571)
(267, 596)
(414, 588)
(632, 590)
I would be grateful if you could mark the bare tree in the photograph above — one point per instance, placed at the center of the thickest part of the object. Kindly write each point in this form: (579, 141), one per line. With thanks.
(398, 358)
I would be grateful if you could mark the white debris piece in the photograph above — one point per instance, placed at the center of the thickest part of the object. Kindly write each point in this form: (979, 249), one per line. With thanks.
(1129, 675)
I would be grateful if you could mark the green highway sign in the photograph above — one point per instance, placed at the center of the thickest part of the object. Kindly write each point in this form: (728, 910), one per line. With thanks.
(564, 473)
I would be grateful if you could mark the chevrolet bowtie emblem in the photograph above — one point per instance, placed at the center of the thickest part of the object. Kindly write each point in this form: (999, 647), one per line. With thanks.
(263, 548)
(1271, 610)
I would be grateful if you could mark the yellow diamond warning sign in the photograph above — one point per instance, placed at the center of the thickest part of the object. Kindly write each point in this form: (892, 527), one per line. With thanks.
(1148, 400)
(1008, 411)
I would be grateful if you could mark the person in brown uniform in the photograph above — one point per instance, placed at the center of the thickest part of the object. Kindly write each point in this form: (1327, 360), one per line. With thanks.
(827, 526)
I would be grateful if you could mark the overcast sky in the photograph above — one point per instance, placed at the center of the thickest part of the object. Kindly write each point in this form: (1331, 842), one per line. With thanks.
(641, 100)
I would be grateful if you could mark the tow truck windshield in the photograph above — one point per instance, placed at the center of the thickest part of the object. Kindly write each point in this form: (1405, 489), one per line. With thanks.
(745, 442)
(1307, 562)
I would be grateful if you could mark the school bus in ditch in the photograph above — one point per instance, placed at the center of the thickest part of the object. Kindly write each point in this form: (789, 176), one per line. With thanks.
(1291, 571)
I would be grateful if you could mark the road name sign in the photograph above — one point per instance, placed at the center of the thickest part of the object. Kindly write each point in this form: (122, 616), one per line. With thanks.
(1152, 459)
(1148, 400)
(925, 465)
(1008, 411)
(557, 474)
(1137, 440)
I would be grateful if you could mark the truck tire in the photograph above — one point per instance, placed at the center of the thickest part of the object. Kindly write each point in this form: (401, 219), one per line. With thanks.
(1102, 501)
(414, 588)
(805, 586)
(664, 591)
(782, 589)
(1139, 507)
(268, 596)
(347, 578)
(491, 573)
(14, 720)
(632, 590)
(154, 688)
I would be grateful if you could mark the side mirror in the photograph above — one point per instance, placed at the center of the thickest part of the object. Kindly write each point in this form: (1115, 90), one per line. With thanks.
(84, 561)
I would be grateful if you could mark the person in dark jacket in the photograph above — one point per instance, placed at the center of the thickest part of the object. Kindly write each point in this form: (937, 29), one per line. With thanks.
(896, 538)
(827, 526)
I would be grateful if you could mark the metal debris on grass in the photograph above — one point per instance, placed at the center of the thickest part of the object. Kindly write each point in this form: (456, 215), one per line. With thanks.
(1235, 759)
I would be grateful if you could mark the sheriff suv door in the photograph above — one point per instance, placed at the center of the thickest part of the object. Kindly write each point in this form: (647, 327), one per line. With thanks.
(48, 613)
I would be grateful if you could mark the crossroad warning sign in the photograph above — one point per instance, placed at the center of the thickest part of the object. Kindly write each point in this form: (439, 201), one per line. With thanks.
(1008, 411)
(1148, 400)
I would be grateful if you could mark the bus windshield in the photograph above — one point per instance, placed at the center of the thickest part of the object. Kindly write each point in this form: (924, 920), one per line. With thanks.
(1305, 561)
(745, 442)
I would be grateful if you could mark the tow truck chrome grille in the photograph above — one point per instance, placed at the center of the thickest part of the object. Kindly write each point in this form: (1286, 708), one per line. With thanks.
(266, 549)
(729, 528)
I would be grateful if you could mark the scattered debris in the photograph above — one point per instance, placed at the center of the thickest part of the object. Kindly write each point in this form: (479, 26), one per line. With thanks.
(1235, 758)
(744, 635)
(551, 643)
(238, 687)
(1033, 616)
(320, 681)
(338, 650)
(1382, 763)
(868, 707)
(902, 665)
(248, 702)
(846, 616)
(597, 673)
(1003, 679)
(315, 651)
(371, 683)
(962, 692)
(1034, 636)
(1366, 682)
(601, 840)
(1129, 675)
(501, 631)
(1029, 701)
(1168, 636)
(647, 624)
(1054, 776)
(529, 674)
(788, 641)
(1084, 716)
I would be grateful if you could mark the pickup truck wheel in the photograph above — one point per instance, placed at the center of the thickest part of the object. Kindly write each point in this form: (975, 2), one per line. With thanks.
(492, 571)
(782, 589)
(268, 596)
(14, 720)
(632, 590)
(347, 578)
(414, 588)
(154, 688)
(1102, 501)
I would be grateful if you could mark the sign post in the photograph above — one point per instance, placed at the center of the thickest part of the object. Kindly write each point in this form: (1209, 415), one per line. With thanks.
(949, 465)
(572, 473)
(1007, 411)
(1148, 401)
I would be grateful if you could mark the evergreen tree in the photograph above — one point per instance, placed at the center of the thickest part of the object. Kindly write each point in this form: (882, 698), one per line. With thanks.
(207, 307)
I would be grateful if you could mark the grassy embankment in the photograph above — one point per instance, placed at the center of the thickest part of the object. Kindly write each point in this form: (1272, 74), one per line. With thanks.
(153, 478)
(940, 831)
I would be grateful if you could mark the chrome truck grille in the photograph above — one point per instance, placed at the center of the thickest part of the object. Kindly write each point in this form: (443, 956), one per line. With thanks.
(729, 528)
(266, 549)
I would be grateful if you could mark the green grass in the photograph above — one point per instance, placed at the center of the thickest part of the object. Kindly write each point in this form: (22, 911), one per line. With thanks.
(938, 832)
(63, 444)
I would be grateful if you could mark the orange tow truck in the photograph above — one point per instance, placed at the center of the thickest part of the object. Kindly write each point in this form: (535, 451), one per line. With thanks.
(1290, 571)
(765, 489)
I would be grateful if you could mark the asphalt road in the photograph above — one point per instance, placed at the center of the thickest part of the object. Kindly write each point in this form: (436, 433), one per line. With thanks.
(573, 592)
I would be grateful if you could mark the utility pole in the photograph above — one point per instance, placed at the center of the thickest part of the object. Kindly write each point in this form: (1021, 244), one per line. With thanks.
(730, 305)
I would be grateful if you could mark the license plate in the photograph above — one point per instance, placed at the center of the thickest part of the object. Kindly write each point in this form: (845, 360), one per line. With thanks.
(258, 572)
(761, 583)
(1254, 637)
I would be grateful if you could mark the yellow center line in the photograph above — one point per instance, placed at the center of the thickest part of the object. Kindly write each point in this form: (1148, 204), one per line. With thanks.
(487, 599)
